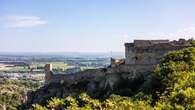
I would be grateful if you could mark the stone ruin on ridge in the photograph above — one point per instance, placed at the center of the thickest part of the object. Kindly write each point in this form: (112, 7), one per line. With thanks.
(140, 57)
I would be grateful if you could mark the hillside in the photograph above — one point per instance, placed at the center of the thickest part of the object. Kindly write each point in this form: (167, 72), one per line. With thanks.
(13, 92)
(170, 86)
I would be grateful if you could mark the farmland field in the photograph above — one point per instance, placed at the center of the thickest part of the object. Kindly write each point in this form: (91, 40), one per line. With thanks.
(56, 65)
(38, 66)
(10, 67)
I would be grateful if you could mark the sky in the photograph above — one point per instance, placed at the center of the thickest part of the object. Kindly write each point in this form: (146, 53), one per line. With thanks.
(91, 25)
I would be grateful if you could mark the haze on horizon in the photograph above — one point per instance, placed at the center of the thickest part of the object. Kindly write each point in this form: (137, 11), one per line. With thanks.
(91, 25)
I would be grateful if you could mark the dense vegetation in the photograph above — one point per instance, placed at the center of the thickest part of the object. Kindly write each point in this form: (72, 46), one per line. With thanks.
(171, 86)
(13, 92)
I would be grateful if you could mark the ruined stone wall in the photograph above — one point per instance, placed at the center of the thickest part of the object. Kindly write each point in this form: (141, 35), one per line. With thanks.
(150, 51)
(129, 68)
(145, 43)
(92, 74)
(97, 74)
(141, 56)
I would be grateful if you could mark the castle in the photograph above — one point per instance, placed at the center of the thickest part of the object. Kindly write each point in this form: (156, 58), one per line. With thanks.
(140, 57)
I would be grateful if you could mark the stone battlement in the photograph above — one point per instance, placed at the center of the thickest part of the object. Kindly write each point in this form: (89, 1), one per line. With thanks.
(154, 43)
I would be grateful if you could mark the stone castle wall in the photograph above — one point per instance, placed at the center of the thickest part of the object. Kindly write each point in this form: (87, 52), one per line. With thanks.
(72, 78)
(141, 57)
(96, 74)
(150, 51)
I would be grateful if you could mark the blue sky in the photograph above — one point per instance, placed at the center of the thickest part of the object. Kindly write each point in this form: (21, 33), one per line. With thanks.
(91, 25)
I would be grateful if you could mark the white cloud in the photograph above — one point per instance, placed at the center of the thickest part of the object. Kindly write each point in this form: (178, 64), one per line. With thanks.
(24, 21)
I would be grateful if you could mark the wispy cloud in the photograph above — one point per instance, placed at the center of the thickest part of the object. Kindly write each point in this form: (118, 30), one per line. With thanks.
(24, 21)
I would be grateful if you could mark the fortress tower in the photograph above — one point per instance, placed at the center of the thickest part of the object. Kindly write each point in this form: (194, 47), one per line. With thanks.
(48, 72)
